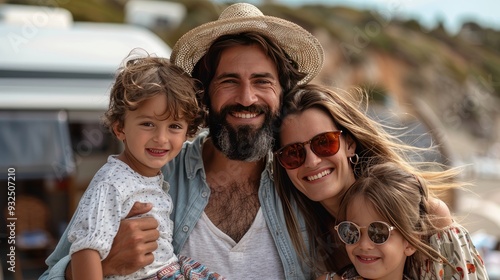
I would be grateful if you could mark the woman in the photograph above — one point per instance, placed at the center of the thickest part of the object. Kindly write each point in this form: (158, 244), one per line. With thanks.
(314, 168)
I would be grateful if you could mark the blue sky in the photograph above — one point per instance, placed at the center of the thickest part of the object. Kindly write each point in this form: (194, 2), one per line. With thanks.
(451, 12)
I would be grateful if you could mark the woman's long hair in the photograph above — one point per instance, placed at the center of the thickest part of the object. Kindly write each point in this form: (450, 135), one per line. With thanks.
(373, 146)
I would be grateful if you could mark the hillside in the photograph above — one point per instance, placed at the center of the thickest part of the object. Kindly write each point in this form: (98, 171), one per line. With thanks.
(451, 83)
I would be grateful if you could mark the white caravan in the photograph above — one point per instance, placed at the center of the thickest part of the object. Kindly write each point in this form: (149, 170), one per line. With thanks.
(55, 77)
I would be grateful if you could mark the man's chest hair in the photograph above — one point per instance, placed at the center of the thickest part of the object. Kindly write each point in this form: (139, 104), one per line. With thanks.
(233, 208)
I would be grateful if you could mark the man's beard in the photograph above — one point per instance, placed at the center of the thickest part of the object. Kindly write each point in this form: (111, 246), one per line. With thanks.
(244, 142)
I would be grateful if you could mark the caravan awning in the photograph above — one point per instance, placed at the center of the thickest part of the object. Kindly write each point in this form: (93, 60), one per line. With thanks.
(36, 143)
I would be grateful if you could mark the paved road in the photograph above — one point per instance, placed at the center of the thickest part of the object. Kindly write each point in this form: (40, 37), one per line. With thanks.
(479, 211)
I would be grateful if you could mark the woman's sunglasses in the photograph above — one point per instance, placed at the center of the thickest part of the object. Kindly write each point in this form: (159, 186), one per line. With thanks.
(325, 144)
(350, 233)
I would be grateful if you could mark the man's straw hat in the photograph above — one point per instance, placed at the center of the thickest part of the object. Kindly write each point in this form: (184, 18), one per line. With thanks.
(298, 43)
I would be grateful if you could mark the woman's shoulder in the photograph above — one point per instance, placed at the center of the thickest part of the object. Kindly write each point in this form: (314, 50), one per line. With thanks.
(441, 213)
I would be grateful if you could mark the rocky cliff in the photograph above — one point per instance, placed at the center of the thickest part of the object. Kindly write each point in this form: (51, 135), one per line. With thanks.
(450, 82)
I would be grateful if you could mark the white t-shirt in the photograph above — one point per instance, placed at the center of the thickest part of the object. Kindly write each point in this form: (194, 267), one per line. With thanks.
(108, 200)
(254, 257)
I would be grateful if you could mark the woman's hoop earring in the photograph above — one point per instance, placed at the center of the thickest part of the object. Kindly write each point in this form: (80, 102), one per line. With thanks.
(355, 161)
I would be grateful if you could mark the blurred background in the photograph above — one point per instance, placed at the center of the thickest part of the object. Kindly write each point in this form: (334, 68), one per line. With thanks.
(432, 70)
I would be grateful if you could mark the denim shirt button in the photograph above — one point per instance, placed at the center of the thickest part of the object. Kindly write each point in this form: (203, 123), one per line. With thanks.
(204, 194)
(185, 228)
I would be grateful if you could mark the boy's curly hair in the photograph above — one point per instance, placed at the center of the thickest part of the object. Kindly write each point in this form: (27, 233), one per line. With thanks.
(142, 77)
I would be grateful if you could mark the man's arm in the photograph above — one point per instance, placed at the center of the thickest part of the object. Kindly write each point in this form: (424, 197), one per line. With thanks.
(131, 250)
(134, 244)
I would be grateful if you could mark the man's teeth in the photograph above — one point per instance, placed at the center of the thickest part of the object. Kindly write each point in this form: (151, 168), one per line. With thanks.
(245, 116)
(320, 175)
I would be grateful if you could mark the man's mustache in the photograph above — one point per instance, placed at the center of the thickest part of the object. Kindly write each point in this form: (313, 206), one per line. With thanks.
(258, 109)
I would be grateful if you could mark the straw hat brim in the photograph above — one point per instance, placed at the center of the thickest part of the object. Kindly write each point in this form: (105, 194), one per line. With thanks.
(297, 42)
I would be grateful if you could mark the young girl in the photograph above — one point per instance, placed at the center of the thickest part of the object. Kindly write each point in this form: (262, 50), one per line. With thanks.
(152, 110)
(386, 225)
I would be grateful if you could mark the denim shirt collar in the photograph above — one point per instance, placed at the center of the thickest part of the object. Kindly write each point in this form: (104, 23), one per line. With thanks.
(194, 154)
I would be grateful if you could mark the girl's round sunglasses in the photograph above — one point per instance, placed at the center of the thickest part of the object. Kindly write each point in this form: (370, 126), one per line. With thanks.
(324, 144)
(350, 233)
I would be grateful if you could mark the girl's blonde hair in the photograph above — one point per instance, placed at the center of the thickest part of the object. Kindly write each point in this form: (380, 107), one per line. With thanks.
(373, 146)
(402, 200)
(145, 76)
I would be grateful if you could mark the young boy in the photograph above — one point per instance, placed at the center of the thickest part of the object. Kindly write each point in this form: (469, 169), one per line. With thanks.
(152, 110)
